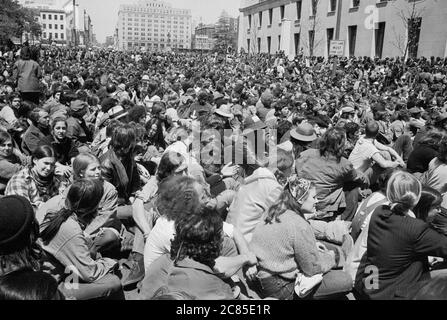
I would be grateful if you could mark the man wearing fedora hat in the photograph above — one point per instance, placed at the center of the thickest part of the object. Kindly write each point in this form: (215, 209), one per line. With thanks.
(302, 138)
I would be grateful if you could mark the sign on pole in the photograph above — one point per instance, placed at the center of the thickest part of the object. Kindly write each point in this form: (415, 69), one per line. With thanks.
(337, 48)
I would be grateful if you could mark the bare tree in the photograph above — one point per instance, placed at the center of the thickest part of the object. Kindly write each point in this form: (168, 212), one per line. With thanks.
(411, 17)
(314, 40)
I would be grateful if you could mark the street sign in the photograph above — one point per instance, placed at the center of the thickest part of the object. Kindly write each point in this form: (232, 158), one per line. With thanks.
(337, 48)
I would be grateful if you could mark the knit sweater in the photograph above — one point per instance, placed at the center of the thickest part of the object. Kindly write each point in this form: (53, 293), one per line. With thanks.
(288, 247)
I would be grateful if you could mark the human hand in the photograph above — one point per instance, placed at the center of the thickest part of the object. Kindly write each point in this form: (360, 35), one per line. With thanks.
(251, 273)
(64, 171)
(229, 170)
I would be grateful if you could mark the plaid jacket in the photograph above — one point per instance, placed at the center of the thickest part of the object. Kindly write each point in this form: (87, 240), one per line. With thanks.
(22, 184)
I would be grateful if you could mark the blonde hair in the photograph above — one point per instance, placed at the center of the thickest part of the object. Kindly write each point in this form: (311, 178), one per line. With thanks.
(403, 192)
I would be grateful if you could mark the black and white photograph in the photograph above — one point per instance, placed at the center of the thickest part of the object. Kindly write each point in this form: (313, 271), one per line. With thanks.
(248, 152)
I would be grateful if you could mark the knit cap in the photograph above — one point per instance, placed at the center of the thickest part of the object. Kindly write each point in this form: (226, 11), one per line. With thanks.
(16, 221)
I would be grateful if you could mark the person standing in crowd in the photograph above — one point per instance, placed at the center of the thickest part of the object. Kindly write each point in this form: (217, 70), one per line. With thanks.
(27, 73)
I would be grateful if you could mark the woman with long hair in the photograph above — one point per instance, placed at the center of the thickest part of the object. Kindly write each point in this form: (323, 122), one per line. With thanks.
(286, 248)
(399, 243)
(104, 229)
(156, 126)
(38, 182)
(329, 171)
(63, 239)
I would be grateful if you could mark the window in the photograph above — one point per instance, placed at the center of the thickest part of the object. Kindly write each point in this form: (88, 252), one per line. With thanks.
(297, 43)
(61, 17)
(414, 32)
(62, 27)
(311, 42)
(269, 44)
(332, 5)
(259, 45)
(260, 18)
(355, 3)
(62, 36)
(44, 34)
(379, 35)
(270, 16)
(330, 36)
(44, 16)
(282, 11)
(314, 7)
(55, 17)
(55, 26)
(279, 43)
(56, 35)
(44, 25)
(299, 7)
(50, 26)
(352, 38)
(49, 17)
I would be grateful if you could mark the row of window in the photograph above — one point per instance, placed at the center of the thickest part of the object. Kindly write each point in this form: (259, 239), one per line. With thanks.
(136, 11)
(50, 26)
(131, 44)
(143, 38)
(413, 34)
(298, 7)
(53, 35)
(50, 16)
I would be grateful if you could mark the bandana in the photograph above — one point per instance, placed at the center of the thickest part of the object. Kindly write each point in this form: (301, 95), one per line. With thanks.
(298, 187)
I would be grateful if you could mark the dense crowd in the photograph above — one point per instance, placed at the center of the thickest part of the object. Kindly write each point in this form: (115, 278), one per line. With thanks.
(186, 175)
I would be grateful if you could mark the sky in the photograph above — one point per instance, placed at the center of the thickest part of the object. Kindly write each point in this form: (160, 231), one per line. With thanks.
(104, 13)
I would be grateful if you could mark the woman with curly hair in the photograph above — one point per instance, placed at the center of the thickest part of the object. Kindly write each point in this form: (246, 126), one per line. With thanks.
(329, 171)
(181, 196)
(196, 245)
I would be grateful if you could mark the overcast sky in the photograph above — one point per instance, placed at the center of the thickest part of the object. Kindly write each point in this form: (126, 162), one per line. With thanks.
(104, 13)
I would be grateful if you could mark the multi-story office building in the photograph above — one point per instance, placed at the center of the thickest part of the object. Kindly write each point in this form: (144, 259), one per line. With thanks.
(153, 25)
(204, 37)
(79, 24)
(54, 28)
(375, 28)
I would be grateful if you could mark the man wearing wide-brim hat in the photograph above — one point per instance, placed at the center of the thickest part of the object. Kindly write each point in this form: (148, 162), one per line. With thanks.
(302, 138)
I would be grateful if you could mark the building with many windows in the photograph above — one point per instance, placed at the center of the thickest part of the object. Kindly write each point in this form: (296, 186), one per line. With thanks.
(204, 37)
(374, 28)
(153, 25)
(54, 29)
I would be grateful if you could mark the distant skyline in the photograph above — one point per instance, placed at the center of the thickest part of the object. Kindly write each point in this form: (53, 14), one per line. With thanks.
(104, 13)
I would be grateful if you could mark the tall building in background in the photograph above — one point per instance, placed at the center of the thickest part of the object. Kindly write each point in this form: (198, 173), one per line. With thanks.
(204, 37)
(64, 22)
(226, 32)
(374, 28)
(79, 24)
(154, 26)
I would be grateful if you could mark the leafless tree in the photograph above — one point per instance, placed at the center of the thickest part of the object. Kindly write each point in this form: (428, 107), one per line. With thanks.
(411, 17)
(313, 39)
